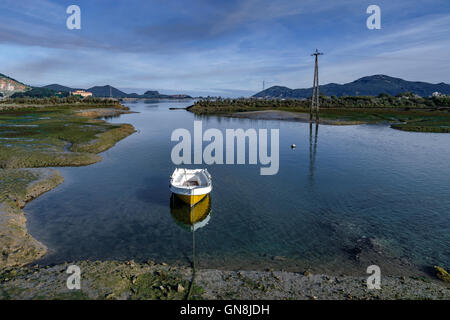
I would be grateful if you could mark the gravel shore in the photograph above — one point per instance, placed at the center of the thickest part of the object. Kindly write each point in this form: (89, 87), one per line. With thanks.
(131, 280)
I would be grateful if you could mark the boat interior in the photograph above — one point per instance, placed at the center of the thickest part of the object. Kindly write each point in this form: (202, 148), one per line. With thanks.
(190, 179)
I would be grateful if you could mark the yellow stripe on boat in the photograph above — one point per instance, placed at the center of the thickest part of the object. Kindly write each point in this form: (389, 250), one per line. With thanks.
(190, 200)
(190, 217)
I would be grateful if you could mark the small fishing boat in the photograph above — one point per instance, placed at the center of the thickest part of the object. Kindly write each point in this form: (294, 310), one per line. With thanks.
(190, 185)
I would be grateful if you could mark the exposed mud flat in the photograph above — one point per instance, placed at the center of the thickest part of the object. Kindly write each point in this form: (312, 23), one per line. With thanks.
(288, 116)
(101, 112)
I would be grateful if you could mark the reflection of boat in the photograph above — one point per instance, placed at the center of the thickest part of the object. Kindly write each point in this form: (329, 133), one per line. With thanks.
(191, 185)
(191, 218)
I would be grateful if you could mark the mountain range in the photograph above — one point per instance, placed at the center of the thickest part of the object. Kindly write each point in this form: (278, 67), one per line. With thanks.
(366, 86)
(109, 91)
(9, 87)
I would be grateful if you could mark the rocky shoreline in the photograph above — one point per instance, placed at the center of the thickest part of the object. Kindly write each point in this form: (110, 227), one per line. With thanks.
(114, 280)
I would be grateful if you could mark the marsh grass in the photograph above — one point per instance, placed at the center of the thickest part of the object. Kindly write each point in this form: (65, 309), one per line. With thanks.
(42, 137)
(14, 184)
(104, 140)
(54, 136)
(406, 120)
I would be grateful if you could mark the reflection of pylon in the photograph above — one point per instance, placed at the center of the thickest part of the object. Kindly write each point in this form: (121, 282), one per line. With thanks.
(315, 93)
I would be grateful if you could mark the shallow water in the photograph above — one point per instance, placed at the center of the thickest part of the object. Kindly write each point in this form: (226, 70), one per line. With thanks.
(341, 186)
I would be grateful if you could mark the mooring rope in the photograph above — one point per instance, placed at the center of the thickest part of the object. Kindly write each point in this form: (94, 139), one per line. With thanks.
(193, 266)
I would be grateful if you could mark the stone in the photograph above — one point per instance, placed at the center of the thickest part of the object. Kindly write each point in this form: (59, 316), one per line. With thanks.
(180, 288)
(442, 274)
(110, 296)
(279, 258)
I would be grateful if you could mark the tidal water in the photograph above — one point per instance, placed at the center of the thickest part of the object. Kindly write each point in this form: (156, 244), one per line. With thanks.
(345, 198)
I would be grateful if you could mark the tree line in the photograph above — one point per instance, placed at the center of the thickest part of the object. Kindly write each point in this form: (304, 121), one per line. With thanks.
(54, 100)
(403, 100)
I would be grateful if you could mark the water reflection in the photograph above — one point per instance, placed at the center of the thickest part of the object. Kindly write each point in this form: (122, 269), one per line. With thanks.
(119, 208)
(108, 118)
(190, 218)
(312, 150)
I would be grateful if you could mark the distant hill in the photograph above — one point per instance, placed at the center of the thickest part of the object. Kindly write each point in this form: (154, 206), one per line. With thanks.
(58, 88)
(366, 86)
(106, 91)
(97, 91)
(37, 92)
(152, 93)
(9, 86)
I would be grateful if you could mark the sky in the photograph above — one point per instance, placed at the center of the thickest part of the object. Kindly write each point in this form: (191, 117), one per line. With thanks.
(227, 48)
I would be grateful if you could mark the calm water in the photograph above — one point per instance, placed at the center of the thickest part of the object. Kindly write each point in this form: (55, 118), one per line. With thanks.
(341, 187)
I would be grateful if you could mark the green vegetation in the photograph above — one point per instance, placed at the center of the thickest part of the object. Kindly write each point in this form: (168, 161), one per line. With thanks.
(40, 135)
(405, 100)
(161, 285)
(101, 280)
(405, 111)
(19, 186)
(42, 97)
(54, 136)
(14, 184)
(39, 93)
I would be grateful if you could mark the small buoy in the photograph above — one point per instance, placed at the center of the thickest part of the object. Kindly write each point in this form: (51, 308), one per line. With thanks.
(293, 146)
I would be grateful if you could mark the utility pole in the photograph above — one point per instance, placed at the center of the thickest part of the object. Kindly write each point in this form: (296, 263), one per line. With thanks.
(264, 84)
(315, 93)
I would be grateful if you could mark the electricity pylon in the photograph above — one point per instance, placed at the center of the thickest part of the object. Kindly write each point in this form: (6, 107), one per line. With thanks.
(315, 93)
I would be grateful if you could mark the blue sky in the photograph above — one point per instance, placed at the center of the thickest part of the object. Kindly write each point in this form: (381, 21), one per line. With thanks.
(221, 47)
